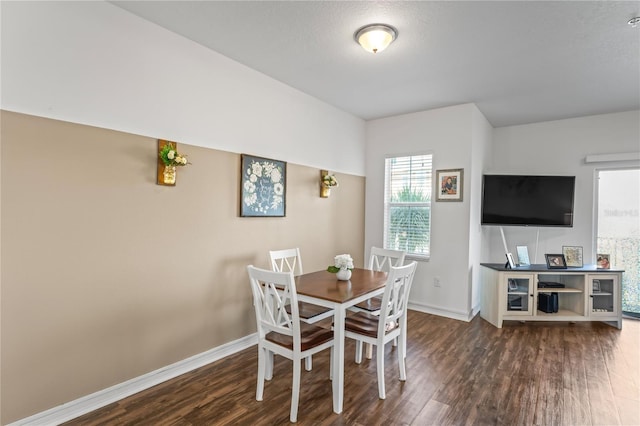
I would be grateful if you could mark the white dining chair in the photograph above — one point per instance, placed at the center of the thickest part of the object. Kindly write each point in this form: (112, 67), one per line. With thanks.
(280, 331)
(389, 325)
(380, 259)
(290, 260)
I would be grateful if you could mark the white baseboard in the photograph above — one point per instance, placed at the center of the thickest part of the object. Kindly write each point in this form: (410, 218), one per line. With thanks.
(89, 403)
(448, 313)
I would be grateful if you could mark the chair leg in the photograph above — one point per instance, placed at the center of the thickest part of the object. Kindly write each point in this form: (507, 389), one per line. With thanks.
(261, 372)
(404, 331)
(295, 391)
(369, 350)
(331, 364)
(402, 356)
(358, 351)
(380, 366)
(308, 363)
(268, 364)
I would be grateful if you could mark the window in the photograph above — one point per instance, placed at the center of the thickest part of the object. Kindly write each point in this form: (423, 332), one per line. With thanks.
(407, 204)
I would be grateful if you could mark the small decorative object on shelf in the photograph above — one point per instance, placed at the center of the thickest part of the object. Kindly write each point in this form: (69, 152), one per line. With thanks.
(327, 182)
(556, 261)
(603, 261)
(168, 160)
(523, 255)
(573, 256)
(343, 264)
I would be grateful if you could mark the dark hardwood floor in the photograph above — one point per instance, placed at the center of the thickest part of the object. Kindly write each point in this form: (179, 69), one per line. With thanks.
(458, 374)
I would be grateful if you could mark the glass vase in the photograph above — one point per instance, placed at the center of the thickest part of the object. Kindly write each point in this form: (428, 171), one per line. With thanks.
(344, 274)
(170, 175)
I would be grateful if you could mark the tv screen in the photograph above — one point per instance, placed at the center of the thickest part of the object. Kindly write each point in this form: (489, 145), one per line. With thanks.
(528, 200)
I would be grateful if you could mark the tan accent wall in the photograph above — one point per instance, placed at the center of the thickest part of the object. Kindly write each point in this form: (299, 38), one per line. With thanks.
(107, 275)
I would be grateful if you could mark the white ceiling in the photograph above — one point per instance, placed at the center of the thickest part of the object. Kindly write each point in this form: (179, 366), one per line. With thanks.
(518, 61)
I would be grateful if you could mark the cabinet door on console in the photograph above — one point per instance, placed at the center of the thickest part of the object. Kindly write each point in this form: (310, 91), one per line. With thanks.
(603, 295)
(517, 291)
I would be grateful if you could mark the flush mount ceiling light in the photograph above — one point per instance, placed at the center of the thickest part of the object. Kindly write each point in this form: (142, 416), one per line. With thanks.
(375, 38)
(634, 21)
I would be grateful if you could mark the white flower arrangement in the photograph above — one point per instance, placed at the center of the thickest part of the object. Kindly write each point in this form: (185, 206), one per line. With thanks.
(341, 261)
(329, 181)
(170, 156)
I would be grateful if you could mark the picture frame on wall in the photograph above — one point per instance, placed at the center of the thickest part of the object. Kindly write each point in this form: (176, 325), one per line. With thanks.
(263, 187)
(573, 256)
(556, 261)
(449, 184)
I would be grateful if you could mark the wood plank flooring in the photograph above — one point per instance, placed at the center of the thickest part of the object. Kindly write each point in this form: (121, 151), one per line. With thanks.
(458, 374)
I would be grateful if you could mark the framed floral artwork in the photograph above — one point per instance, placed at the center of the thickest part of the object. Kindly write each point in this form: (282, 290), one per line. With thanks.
(573, 256)
(449, 184)
(262, 187)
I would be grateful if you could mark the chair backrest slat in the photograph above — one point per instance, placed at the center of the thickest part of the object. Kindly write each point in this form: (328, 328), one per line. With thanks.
(396, 294)
(383, 259)
(287, 260)
(272, 292)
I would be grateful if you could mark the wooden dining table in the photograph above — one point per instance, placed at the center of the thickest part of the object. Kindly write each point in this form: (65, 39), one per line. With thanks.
(324, 289)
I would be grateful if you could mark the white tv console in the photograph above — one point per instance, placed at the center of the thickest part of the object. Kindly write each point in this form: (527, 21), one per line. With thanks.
(589, 294)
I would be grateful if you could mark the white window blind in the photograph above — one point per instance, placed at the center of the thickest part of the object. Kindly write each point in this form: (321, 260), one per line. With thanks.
(407, 204)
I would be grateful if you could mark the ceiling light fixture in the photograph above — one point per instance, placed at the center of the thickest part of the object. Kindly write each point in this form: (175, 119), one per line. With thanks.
(634, 21)
(375, 38)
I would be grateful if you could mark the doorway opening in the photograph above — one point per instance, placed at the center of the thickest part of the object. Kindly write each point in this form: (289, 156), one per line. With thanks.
(618, 230)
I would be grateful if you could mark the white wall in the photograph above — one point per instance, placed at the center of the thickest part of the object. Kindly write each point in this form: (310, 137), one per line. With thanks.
(448, 133)
(560, 148)
(480, 157)
(94, 63)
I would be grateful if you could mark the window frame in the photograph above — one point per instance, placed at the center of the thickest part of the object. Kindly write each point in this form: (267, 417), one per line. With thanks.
(388, 205)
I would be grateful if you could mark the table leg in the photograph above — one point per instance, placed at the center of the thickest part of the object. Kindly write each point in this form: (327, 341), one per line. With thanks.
(338, 359)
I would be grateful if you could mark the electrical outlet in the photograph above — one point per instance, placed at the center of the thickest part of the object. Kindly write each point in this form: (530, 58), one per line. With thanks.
(436, 282)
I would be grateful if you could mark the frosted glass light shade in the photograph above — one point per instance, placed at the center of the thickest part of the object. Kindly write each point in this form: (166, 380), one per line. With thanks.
(375, 38)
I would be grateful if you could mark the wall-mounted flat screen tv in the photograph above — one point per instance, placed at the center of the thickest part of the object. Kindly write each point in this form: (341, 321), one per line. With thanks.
(519, 200)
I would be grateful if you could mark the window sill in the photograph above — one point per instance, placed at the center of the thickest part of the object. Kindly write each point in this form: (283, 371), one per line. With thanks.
(417, 258)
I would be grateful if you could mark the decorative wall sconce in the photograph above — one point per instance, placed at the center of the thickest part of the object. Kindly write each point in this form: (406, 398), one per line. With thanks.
(327, 182)
(168, 160)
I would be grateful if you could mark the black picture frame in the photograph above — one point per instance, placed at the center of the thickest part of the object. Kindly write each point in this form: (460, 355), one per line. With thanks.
(556, 261)
(263, 187)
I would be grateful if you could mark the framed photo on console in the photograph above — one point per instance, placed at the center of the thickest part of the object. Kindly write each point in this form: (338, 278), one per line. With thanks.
(556, 261)
(603, 261)
(523, 255)
(573, 256)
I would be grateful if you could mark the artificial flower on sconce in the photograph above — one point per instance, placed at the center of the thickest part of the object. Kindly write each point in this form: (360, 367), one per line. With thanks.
(170, 158)
(326, 183)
